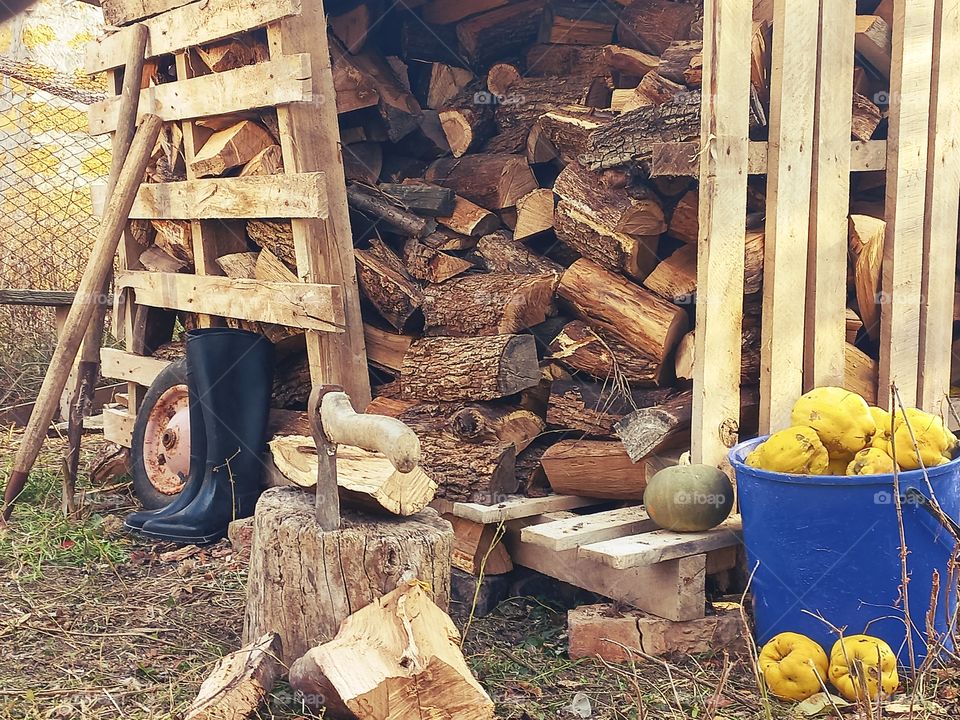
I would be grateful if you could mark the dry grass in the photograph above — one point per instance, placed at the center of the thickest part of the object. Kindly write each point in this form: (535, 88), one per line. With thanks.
(94, 624)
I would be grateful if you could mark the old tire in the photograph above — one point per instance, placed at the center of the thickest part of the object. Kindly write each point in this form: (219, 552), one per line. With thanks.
(160, 442)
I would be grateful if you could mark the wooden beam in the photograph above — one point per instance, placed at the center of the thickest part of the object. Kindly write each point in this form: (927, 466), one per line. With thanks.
(938, 278)
(301, 305)
(826, 321)
(580, 530)
(728, 35)
(190, 25)
(280, 81)
(302, 195)
(138, 369)
(907, 157)
(789, 174)
(512, 507)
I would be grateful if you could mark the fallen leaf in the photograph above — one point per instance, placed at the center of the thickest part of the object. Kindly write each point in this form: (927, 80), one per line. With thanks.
(820, 704)
(903, 706)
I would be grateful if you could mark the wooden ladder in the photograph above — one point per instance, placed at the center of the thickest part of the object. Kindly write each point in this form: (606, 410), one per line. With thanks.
(297, 81)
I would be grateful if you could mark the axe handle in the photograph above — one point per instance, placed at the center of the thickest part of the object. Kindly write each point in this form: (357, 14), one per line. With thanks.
(345, 426)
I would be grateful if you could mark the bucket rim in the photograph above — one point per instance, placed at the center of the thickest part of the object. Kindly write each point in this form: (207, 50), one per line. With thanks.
(739, 452)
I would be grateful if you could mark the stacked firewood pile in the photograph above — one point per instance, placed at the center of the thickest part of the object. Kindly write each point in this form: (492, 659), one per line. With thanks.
(521, 178)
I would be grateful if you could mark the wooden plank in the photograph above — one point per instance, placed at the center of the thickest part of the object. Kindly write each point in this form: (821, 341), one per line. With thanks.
(513, 507)
(302, 305)
(280, 81)
(139, 369)
(191, 25)
(585, 529)
(124, 12)
(727, 40)
(661, 545)
(673, 590)
(303, 195)
(310, 141)
(789, 174)
(942, 200)
(907, 157)
(118, 425)
(826, 321)
(37, 298)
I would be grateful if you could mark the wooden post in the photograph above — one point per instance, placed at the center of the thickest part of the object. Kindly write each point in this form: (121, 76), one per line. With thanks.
(907, 144)
(727, 36)
(830, 197)
(101, 261)
(789, 168)
(940, 227)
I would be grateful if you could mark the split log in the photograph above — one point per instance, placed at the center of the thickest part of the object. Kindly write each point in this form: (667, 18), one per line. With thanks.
(867, 236)
(397, 107)
(400, 654)
(268, 161)
(654, 89)
(365, 480)
(428, 42)
(531, 480)
(630, 138)
(110, 462)
(500, 34)
(395, 296)
(354, 89)
(545, 59)
(348, 568)
(675, 278)
(492, 181)
(240, 681)
(425, 263)
(476, 548)
(362, 162)
(239, 265)
(446, 82)
(861, 373)
(271, 269)
(629, 61)
(352, 27)
(175, 238)
(649, 430)
(679, 59)
(571, 23)
(534, 214)
(634, 210)
(866, 118)
(467, 119)
(874, 42)
(230, 54)
(385, 349)
(602, 355)
(379, 207)
(445, 239)
(685, 221)
(749, 356)
(230, 148)
(482, 423)
(275, 236)
(502, 254)
(594, 408)
(651, 25)
(854, 324)
(443, 12)
(468, 219)
(156, 260)
(617, 251)
(470, 368)
(491, 304)
(564, 133)
(593, 468)
(420, 197)
(642, 320)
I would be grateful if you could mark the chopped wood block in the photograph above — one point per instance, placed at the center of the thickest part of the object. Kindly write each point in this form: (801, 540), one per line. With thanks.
(229, 148)
(513, 508)
(571, 23)
(385, 349)
(397, 107)
(874, 42)
(240, 535)
(571, 533)
(679, 59)
(634, 210)
(240, 265)
(420, 197)
(425, 263)
(446, 83)
(602, 355)
(477, 548)
(593, 468)
(400, 653)
(355, 89)
(492, 181)
(651, 429)
(363, 162)
(352, 27)
(594, 408)
(749, 357)
(854, 324)
(229, 54)
(500, 33)
(502, 253)
(268, 161)
(395, 296)
(564, 133)
(481, 423)
(156, 259)
(365, 479)
(348, 568)
(239, 682)
(867, 236)
(642, 320)
(651, 25)
(654, 89)
(685, 223)
(611, 632)
(545, 59)
(379, 207)
(491, 304)
(629, 61)
(468, 219)
(275, 236)
(866, 118)
(470, 368)
(270, 268)
(175, 238)
(611, 249)
(534, 214)
(675, 278)
(861, 373)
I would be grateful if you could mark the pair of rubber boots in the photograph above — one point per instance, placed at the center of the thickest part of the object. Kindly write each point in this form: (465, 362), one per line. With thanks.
(230, 379)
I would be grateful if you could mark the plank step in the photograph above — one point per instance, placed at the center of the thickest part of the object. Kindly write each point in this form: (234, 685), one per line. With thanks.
(585, 529)
(513, 507)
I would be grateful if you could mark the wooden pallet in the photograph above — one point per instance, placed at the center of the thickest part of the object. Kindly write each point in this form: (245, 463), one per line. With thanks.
(617, 553)
(297, 81)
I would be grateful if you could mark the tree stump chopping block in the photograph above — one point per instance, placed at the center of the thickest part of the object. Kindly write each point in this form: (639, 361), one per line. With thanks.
(303, 582)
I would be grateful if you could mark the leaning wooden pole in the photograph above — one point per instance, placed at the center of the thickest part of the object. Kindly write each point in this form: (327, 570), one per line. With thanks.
(88, 295)
(88, 369)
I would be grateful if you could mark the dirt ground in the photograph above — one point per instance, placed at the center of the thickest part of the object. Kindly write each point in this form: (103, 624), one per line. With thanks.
(98, 624)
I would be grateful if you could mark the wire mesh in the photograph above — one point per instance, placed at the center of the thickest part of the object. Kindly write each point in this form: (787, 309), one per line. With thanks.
(47, 163)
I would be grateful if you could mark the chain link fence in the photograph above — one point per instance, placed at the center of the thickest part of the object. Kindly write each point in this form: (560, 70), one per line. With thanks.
(47, 227)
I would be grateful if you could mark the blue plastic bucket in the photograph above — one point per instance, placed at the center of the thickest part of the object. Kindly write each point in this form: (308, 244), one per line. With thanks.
(830, 546)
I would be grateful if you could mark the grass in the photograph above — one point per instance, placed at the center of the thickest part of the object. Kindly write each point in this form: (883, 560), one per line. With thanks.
(96, 624)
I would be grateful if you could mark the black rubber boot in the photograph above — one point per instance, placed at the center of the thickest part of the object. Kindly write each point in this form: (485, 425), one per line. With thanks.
(234, 372)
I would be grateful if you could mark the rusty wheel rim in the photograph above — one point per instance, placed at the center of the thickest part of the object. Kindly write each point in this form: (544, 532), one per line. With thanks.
(166, 441)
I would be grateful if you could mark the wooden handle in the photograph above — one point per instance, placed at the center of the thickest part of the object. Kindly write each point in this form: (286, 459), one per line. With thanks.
(378, 433)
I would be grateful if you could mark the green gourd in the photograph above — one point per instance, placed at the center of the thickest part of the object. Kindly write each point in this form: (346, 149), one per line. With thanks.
(688, 498)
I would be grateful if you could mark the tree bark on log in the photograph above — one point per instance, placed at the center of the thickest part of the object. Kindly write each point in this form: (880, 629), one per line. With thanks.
(429, 265)
(652, 25)
(481, 423)
(501, 34)
(492, 181)
(502, 254)
(304, 582)
(593, 468)
(648, 430)
(594, 408)
(602, 355)
(564, 133)
(386, 285)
